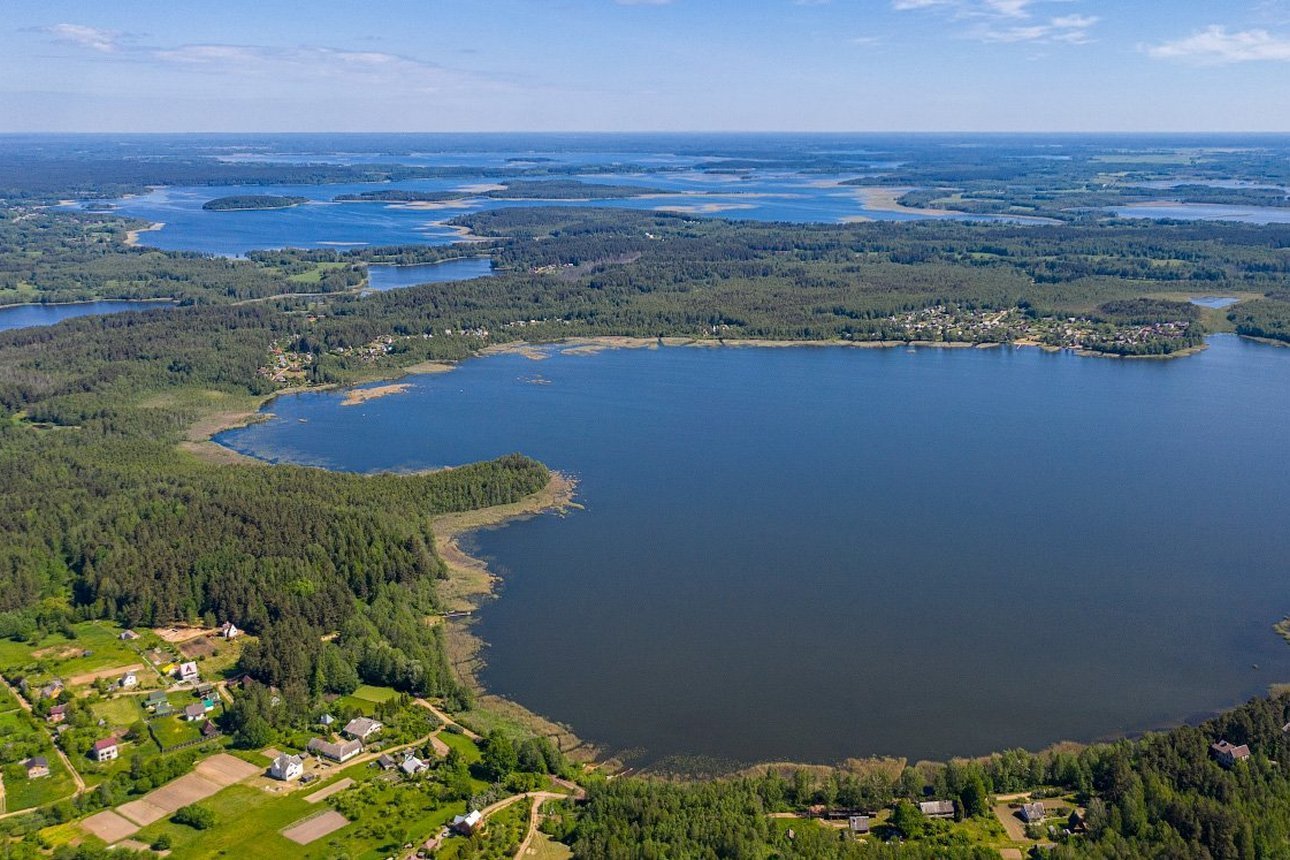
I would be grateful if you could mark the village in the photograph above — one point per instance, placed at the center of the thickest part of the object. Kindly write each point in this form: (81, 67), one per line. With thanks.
(111, 701)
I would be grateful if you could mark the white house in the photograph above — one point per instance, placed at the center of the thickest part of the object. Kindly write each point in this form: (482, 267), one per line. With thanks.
(287, 767)
(104, 750)
(129, 681)
(229, 630)
(467, 824)
(189, 672)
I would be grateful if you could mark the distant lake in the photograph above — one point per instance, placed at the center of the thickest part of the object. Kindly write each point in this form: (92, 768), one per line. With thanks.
(758, 195)
(24, 316)
(382, 278)
(813, 553)
(1206, 212)
(1216, 302)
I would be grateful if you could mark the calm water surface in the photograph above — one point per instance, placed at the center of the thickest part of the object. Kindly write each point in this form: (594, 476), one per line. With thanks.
(382, 278)
(814, 553)
(23, 316)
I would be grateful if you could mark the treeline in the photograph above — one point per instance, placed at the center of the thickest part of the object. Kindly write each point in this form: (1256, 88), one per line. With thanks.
(1161, 796)
(235, 202)
(69, 255)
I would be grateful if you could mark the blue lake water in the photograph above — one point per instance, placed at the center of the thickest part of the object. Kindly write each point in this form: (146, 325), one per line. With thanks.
(24, 316)
(813, 553)
(382, 278)
(1215, 302)
(764, 195)
(1206, 212)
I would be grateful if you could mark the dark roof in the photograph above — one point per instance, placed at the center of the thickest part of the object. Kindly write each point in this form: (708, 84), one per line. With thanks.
(36, 761)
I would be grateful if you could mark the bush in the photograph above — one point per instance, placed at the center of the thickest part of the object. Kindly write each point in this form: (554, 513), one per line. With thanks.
(195, 816)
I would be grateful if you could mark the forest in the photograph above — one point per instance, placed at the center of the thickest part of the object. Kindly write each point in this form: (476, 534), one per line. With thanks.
(243, 202)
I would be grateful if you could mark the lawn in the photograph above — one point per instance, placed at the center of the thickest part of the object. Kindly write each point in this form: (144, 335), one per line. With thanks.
(376, 695)
(95, 647)
(173, 731)
(28, 793)
(462, 744)
(121, 712)
(546, 848)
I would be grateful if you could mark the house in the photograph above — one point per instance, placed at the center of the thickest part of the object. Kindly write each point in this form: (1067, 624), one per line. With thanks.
(194, 712)
(129, 681)
(468, 824)
(858, 824)
(1033, 813)
(327, 720)
(209, 729)
(165, 709)
(57, 714)
(52, 690)
(362, 728)
(412, 765)
(168, 668)
(337, 752)
(128, 636)
(104, 750)
(287, 767)
(1229, 754)
(208, 704)
(189, 672)
(204, 689)
(156, 697)
(37, 767)
(229, 631)
(937, 808)
(386, 762)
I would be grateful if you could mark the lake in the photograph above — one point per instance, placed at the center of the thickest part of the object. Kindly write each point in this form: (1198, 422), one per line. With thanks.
(382, 278)
(813, 553)
(24, 316)
(1205, 212)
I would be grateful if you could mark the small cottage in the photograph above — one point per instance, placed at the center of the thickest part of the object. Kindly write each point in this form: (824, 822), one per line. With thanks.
(1033, 813)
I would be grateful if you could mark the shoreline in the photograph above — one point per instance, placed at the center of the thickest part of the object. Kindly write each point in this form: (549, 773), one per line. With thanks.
(132, 236)
(169, 299)
(590, 345)
(470, 583)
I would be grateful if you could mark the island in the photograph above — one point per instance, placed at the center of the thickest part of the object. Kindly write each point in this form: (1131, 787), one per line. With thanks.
(252, 202)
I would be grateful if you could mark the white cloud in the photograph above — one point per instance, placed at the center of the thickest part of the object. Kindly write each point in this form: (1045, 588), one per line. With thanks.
(1216, 46)
(1007, 21)
(1071, 29)
(309, 62)
(106, 41)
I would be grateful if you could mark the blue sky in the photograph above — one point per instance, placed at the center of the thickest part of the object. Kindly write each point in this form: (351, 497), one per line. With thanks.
(626, 65)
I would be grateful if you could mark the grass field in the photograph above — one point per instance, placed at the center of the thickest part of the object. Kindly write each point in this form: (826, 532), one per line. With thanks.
(366, 698)
(121, 712)
(29, 793)
(94, 648)
(463, 745)
(172, 731)
(546, 848)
